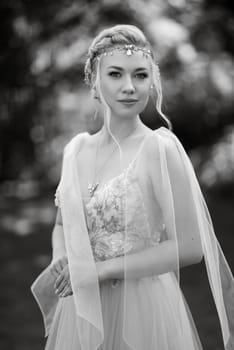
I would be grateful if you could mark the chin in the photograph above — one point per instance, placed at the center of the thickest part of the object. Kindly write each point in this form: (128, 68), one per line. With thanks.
(128, 113)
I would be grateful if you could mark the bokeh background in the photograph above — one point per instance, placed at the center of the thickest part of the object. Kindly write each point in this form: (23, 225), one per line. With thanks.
(44, 102)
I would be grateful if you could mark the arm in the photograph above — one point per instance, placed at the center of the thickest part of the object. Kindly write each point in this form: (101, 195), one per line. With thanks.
(183, 245)
(59, 267)
(155, 260)
(58, 242)
(152, 261)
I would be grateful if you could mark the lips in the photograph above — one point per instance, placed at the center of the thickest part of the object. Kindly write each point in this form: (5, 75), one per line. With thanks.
(132, 100)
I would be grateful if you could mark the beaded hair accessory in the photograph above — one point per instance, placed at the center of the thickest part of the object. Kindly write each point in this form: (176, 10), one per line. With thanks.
(127, 49)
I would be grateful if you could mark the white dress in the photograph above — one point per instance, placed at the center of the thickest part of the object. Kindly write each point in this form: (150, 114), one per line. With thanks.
(153, 299)
(155, 199)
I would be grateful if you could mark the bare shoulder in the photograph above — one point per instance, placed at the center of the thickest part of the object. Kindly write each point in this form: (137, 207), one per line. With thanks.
(159, 141)
(80, 142)
(89, 142)
(151, 144)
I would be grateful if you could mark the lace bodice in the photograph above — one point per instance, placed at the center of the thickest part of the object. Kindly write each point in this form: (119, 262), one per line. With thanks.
(112, 230)
(116, 218)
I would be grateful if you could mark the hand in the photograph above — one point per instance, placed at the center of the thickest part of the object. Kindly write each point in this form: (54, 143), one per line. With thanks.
(104, 274)
(62, 284)
(58, 266)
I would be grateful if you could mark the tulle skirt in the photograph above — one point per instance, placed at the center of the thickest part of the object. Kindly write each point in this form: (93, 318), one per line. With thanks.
(151, 324)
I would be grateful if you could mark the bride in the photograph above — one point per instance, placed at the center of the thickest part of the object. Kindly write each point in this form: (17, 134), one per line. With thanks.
(130, 215)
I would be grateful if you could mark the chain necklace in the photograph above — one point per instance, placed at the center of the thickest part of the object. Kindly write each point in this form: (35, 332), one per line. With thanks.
(92, 187)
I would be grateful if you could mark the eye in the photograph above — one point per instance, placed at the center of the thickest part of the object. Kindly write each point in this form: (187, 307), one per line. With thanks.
(142, 75)
(115, 74)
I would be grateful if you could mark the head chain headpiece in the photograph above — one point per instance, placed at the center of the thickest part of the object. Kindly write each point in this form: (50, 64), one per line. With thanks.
(128, 49)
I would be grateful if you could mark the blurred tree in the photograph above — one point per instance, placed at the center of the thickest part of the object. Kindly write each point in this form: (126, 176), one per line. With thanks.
(43, 99)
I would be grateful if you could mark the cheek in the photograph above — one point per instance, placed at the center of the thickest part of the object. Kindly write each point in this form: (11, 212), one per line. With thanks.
(144, 102)
(107, 90)
(144, 97)
(145, 92)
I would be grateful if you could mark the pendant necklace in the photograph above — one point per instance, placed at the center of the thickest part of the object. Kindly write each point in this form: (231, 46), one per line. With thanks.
(92, 187)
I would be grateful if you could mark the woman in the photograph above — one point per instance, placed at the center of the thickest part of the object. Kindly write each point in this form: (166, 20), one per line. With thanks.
(130, 214)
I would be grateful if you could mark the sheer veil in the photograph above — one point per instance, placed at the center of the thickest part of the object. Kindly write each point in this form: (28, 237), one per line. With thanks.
(198, 222)
(159, 192)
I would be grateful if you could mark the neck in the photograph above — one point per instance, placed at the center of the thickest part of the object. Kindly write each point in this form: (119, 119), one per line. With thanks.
(120, 129)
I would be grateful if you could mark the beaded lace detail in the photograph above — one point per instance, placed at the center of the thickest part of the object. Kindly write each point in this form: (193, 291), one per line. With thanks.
(113, 230)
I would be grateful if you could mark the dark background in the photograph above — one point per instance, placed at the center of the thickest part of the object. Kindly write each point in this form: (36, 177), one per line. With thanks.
(44, 102)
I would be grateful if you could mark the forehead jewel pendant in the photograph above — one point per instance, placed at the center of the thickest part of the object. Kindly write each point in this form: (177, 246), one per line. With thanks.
(129, 50)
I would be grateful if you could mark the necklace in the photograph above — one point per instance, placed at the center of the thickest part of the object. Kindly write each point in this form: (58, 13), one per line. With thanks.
(92, 187)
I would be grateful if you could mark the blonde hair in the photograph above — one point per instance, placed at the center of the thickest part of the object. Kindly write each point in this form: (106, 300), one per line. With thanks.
(121, 34)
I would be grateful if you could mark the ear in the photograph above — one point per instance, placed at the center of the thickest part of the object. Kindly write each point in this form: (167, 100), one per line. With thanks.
(95, 93)
(152, 90)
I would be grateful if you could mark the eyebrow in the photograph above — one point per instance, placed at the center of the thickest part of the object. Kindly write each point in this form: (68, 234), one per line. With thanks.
(121, 69)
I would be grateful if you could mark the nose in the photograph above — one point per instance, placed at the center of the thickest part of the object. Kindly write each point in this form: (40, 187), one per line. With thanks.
(128, 86)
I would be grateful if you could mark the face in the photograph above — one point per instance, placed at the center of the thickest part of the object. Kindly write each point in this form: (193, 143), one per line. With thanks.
(125, 82)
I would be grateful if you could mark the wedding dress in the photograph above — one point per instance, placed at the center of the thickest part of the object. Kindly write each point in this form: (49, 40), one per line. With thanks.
(155, 198)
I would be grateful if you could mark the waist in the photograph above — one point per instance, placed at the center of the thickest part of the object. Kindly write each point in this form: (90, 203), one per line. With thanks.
(107, 246)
